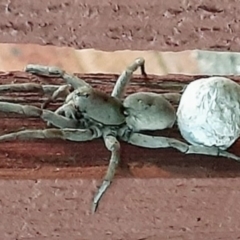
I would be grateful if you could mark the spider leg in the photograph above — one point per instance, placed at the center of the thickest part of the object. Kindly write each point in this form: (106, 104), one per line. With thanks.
(125, 77)
(147, 141)
(68, 110)
(54, 119)
(28, 87)
(112, 145)
(78, 135)
(27, 110)
(46, 115)
(66, 116)
(41, 70)
(62, 91)
(212, 151)
(51, 71)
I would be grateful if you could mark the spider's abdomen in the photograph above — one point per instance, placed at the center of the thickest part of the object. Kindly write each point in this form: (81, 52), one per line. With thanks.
(148, 111)
(209, 112)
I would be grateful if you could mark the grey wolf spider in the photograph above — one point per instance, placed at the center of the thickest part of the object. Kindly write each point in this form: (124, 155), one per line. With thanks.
(88, 113)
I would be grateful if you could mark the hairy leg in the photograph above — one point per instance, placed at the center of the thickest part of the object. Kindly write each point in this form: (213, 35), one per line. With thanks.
(78, 135)
(68, 110)
(164, 142)
(46, 115)
(28, 87)
(125, 77)
(62, 91)
(212, 151)
(112, 145)
(51, 71)
(148, 141)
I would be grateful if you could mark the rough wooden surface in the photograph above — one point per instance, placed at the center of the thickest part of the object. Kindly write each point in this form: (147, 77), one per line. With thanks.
(57, 158)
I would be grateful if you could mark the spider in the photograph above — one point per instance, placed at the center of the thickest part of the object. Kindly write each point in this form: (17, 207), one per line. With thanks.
(88, 113)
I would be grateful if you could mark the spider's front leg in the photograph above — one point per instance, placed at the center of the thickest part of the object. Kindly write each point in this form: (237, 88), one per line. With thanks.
(46, 115)
(29, 87)
(78, 135)
(69, 129)
(51, 71)
(112, 145)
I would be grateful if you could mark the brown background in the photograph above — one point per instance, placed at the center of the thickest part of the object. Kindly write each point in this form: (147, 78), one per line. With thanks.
(110, 25)
(178, 197)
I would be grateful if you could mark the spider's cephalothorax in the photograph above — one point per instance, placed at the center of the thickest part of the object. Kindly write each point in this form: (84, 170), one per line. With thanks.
(98, 106)
(88, 113)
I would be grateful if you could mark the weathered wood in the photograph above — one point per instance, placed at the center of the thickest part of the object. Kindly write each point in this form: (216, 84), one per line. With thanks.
(55, 158)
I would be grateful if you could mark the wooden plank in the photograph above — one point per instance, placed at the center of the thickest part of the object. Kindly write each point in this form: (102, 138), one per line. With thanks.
(65, 159)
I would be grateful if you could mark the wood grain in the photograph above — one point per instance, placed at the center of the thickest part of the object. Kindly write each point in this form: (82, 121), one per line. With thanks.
(64, 159)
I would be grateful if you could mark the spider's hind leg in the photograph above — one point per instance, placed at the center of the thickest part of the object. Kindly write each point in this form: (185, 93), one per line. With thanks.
(147, 141)
(211, 151)
(125, 77)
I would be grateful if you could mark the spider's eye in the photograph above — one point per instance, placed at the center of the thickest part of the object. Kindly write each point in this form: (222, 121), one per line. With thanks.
(125, 112)
(83, 94)
(86, 95)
